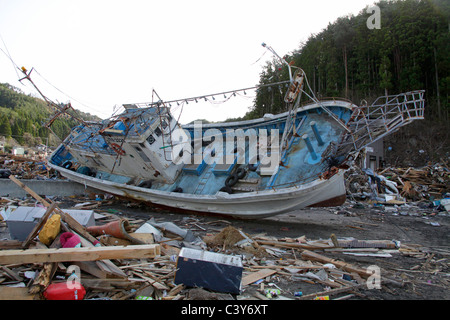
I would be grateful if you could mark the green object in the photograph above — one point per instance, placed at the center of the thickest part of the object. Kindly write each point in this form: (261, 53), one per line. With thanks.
(143, 298)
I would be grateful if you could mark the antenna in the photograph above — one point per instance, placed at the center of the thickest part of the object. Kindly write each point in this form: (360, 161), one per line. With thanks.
(281, 59)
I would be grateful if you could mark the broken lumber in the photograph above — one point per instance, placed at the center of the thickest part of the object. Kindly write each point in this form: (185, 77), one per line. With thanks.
(44, 278)
(255, 276)
(12, 293)
(354, 243)
(106, 266)
(294, 245)
(330, 292)
(79, 254)
(10, 244)
(309, 255)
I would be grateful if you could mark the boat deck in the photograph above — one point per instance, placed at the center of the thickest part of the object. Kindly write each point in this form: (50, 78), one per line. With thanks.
(297, 164)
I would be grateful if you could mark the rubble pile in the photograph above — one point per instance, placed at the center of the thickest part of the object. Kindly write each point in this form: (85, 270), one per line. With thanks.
(429, 182)
(401, 184)
(67, 256)
(25, 168)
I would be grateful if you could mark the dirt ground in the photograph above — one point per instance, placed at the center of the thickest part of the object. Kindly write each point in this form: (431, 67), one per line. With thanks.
(423, 276)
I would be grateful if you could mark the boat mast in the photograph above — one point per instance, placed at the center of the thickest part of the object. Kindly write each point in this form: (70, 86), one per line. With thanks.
(281, 59)
(292, 100)
(61, 109)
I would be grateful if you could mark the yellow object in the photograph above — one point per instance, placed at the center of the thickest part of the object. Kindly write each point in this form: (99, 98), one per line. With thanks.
(50, 230)
(322, 298)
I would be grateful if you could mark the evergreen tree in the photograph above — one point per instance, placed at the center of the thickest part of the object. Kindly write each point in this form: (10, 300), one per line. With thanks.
(5, 127)
(23, 115)
(347, 59)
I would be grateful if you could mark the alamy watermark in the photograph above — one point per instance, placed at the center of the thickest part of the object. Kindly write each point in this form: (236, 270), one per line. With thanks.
(374, 21)
(374, 280)
(226, 147)
(74, 280)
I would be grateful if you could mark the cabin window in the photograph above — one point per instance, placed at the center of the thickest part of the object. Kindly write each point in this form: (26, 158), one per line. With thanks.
(158, 132)
(151, 139)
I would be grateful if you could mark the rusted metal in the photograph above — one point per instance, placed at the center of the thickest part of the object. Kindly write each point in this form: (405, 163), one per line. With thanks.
(333, 202)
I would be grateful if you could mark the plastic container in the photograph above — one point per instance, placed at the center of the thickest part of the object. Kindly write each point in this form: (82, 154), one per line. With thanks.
(272, 293)
(65, 291)
(322, 298)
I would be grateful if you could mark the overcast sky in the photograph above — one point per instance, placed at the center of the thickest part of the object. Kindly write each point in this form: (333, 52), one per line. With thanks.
(103, 53)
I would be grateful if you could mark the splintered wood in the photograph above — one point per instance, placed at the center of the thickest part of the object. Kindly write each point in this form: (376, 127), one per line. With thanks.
(79, 254)
(415, 183)
(87, 253)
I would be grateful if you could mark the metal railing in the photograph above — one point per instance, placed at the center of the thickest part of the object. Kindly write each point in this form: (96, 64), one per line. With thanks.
(386, 115)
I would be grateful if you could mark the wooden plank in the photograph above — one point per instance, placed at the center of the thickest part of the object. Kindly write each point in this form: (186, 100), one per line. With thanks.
(330, 292)
(13, 275)
(154, 283)
(76, 226)
(383, 244)
(92, 268)
(10, 244)
(255, 276)
(294, 245)
(31, 192)
(176, 290)
(106, 266)
(309, 255)
(79, 254)
(106, 284)
(11, 293)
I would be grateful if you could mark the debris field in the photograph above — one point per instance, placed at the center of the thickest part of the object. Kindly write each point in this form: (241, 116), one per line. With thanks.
(129, 257)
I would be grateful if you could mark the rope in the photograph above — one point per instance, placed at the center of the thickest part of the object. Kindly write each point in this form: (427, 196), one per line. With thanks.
(207, 96)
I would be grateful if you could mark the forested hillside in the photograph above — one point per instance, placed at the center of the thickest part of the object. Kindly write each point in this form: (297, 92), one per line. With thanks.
(23, 116)
(347, 59)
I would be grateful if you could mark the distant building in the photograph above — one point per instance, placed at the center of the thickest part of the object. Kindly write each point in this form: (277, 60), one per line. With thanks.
(18, 151)
(374, 156)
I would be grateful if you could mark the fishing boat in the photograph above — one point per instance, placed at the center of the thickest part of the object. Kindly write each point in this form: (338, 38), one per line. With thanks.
(247, 169)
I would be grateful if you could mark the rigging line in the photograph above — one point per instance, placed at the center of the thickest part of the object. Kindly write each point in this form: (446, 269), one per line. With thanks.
(181, 112)
(216, 94)
(265, 51)
(12, 61)
(89, 107)
(9, 56)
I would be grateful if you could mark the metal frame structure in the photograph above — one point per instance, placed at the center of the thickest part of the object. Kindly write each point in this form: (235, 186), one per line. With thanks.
(386, 115)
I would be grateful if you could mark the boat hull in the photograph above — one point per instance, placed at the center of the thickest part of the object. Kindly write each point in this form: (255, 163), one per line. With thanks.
(258, 204)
